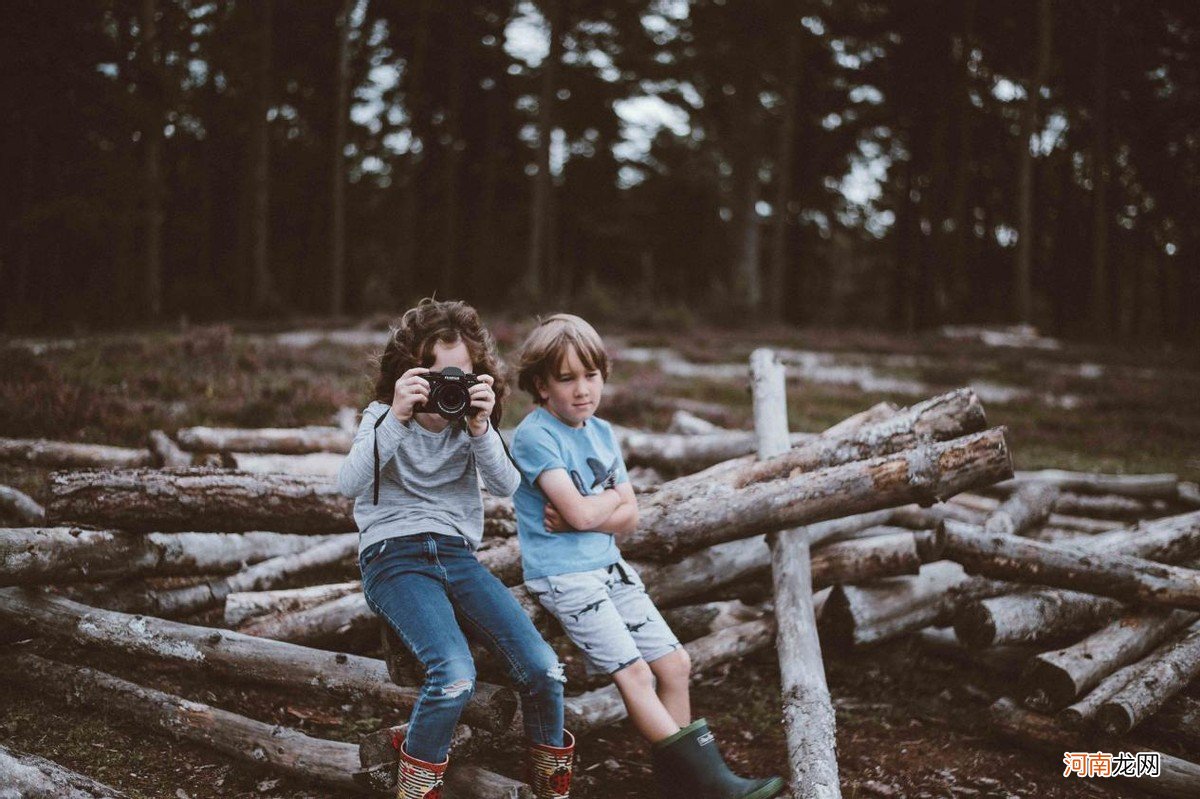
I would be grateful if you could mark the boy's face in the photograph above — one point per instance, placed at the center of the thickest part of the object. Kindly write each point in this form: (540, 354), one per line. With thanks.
(572, 393)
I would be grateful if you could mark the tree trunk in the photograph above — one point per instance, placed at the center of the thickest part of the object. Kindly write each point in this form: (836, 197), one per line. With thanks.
(284, 750)
(689, 424)
(213, 499)
(682, 454)
(30, 777)
(316, 464)
(1025, 509)
(1055, 679)
(176, 602)
(777, 263)
(280, 440)
(1036, 615)
(228, 654)
(452, 155)
(1101, 316)
(30, 556)
(1165, 674)
(263, 296)
(347, 622)
(543, 182)
(1178, 779)
(337, 172)
(410, 164)
(65, 455)
(1118, 576)
(1030, 121)
(744, 228)
(152, 182)
(245, 605)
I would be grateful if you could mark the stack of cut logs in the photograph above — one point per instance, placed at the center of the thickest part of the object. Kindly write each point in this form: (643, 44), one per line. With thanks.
(869, 528)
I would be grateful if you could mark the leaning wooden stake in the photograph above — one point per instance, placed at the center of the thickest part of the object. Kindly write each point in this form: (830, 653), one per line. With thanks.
(808, 718)
(281, 749)
(25, 776)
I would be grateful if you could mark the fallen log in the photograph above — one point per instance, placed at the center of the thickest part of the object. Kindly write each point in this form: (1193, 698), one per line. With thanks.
(1109, 506)
(689, 424)
(347, 622)
(670, 523)
(1003, 661)
(66, 455)
(280, 440)
(231, 654)
(244, 605)
(1026, 508)
(214, 499)
(24, 776)
(588, 712)
(675, 453)
(21, 507)
(1117, 576)
(32, 555)
(1153, 486)
(1178, 779)
(941, 418)
(166, 453)
(1168, 671)
(1055, 679)
(689, 622)
(859, 615)
(866, 559)
(315, 464)
(284, 750)
(1189, 494)
(876, 413)
(176, 602)
(1038, 615)
(986, 506)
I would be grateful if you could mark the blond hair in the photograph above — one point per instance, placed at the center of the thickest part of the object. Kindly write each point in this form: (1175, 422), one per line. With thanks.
(546, 346)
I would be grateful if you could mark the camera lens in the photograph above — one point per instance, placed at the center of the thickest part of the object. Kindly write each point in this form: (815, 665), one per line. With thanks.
(452, 399)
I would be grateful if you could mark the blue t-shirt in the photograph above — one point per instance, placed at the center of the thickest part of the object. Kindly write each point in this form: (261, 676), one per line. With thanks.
(591, 457)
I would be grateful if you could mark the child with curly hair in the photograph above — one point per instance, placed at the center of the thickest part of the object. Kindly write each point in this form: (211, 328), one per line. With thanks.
(415, 478)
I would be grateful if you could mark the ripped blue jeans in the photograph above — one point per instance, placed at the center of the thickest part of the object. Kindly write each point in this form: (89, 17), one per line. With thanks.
(434, 593)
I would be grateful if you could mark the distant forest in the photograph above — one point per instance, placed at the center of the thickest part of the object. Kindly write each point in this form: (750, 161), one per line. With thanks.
(901, 164)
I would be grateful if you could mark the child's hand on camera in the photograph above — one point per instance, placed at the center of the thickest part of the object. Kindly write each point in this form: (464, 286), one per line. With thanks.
(483, 399)
(411, 390)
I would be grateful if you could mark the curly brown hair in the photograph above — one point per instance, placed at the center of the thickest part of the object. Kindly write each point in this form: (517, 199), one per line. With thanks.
(413, 338)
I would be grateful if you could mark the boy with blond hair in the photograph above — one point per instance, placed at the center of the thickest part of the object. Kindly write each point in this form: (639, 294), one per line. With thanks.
(573, 505)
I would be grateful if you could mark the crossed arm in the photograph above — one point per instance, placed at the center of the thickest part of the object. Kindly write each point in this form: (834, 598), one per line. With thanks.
(612, 511)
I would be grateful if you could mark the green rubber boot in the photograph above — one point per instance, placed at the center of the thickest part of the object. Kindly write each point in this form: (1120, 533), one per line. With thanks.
(688, 765)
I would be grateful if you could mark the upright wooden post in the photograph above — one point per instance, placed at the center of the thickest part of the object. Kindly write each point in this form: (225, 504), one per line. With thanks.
(807, 710)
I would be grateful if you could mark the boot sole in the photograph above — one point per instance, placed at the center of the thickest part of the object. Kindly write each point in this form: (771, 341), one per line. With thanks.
(772, 788)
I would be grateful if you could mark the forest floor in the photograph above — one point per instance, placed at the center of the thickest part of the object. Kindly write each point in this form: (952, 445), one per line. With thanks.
(909, 723)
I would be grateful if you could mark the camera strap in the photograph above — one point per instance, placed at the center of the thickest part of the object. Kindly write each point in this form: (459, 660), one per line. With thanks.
(375, 436)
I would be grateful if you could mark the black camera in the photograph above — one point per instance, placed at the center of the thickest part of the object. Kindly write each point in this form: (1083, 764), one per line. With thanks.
(449, 393)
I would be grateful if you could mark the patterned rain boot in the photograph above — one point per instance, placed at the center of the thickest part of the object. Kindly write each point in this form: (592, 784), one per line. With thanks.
(551, 768)
(417, 779)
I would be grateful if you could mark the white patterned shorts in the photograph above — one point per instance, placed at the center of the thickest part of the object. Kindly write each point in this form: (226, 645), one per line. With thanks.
(608, 615)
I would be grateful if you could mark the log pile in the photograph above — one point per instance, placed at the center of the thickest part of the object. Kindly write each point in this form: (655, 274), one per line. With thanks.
(890, 523)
